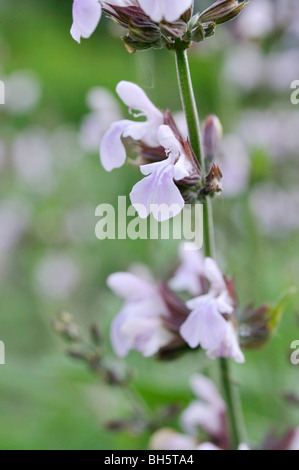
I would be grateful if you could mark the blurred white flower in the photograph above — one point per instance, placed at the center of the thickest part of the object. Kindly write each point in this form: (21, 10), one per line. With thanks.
(286, 61)
(276, 210)
(271, 130)
(189, 276)
(244, 66)
(14, 221)
(168, 439)
(234, 163)
(104, 112)
(294, 445)
(32, 160)
(22, 92)
(64, 147)
(259, 19)
(80, 223)
(56, 276)
(3, 155)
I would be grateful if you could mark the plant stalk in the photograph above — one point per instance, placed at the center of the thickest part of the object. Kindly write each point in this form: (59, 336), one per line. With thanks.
(189, 104)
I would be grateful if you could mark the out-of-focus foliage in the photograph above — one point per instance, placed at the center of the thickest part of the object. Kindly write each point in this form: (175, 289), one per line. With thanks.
(50, 187)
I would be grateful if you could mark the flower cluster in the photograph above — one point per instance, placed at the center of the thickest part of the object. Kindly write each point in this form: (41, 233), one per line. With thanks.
(166, 158)
(154, 23)
(155, 320)
(205, 425)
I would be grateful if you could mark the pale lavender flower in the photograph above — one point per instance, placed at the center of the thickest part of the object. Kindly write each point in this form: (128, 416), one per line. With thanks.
(206, 325)
(294, 445)
(235, 166)
(210, 446)
(140, 324)
(268, 203)
(112, 151)
(189, 276)
(159, 190)
(22, 92)
(86, 17)
(245, 66)
(56, 276)
(14, 221)
(208, 412)
(169, 10)
(3, 155)
(104, 112)
(168, 439)
(32, 160)
(229, 346)
(259, 20)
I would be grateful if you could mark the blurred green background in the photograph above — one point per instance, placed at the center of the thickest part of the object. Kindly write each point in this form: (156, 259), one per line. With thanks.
(47, 401)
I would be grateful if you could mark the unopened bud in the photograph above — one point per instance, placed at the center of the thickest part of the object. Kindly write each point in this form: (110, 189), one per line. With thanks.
(212, 135)
(64, 325)
(213, 181)
(257, 327)
(223, 11)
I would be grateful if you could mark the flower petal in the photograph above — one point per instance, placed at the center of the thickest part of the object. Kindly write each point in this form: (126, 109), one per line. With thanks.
(121, 344)
(207, 446)
(199, 415)
(205, 327)
(157, 193)
(86, 17)
(214, 275)
(205, 389)
(170, 10)
(129, 286)
(112, 152)
(229, 347)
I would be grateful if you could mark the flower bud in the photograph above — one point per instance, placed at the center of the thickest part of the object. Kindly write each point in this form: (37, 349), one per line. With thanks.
(212, 135)
(257, 326)
(64, 325)
(212, 182)
(223, 11)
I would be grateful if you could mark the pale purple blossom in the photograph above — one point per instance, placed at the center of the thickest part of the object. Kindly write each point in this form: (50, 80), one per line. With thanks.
(86, 17)
(140, 324)
(158, 193)
(168, 439)
(235, 166)
(294, 445)
(104, 112)
(169, 10)
(3, 155)
(206, 325)
(210, 446)
(207, 412)
(32, 160)
(259, 20)
(189, 276)
(22, 92)
(112, 151)
(268, 203)
(56, 275)
(229, 346)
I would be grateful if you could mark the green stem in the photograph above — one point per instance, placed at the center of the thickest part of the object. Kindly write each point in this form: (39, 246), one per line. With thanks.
(188, 100)
(233, 403)
(189, 104)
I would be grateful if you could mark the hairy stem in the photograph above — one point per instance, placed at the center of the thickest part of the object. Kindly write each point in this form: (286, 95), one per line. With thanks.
(188, 100)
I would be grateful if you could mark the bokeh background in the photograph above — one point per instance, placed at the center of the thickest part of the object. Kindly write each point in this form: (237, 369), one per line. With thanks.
(52, 181)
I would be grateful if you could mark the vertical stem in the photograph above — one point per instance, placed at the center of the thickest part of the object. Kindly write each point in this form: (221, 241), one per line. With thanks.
(189, 104)
(187, 96)
(233, 403)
